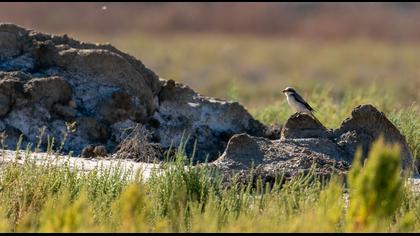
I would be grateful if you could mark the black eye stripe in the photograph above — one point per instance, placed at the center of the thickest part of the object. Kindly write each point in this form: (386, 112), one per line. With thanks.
(291, 90)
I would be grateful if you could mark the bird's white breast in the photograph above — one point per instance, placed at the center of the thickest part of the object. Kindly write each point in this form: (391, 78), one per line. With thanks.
(299, 107)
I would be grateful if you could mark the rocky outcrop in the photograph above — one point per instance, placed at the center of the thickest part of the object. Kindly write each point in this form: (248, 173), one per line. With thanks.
(208, 123)
(303, 126)
(48, 91)
(305, 142)
(10, 89)
(364, 126)
(48, 82)
(290, 157)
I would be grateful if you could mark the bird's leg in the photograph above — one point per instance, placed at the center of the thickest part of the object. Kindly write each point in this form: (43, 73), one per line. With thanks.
(297, 114)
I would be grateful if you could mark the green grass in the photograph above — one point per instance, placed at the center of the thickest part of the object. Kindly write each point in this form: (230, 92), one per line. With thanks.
(41, 198)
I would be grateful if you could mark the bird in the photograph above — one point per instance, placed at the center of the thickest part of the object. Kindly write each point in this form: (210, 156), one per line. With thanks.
(298, 103)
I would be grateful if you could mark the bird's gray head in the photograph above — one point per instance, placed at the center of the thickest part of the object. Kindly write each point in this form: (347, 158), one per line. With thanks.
(289, 90)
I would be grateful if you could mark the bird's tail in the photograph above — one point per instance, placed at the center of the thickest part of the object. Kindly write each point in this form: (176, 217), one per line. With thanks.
(313, 116)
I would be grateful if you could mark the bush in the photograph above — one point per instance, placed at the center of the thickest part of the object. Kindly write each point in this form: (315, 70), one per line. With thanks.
(375, 189)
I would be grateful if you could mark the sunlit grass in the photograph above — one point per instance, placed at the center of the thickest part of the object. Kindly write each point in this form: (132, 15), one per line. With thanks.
(261, 67)
(184, 198)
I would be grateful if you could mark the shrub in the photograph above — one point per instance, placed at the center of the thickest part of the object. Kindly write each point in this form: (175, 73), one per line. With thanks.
(375, 188)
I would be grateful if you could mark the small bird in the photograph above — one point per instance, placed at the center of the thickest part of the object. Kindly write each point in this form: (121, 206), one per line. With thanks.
(298, 103)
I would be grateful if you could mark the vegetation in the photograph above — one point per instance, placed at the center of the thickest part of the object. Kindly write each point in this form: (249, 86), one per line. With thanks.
(46, 198)
(334, 78)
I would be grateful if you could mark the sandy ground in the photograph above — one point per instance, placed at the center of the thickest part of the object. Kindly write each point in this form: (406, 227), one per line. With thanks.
(82, 164)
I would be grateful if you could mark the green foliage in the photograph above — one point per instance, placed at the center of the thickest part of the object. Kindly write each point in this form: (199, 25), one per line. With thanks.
(187, 198)
(407, 120)
(180, 186)
(62, 214)
(376, 189)
(132, 209)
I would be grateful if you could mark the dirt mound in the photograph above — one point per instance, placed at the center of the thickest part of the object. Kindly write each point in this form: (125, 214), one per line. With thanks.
(305, 142)
(49, 81)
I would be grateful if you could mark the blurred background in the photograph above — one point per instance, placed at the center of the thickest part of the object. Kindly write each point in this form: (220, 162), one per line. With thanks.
(334, 53)
(332, 21)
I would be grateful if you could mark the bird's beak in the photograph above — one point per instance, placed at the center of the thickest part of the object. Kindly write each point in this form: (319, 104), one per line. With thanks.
(284, 90)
